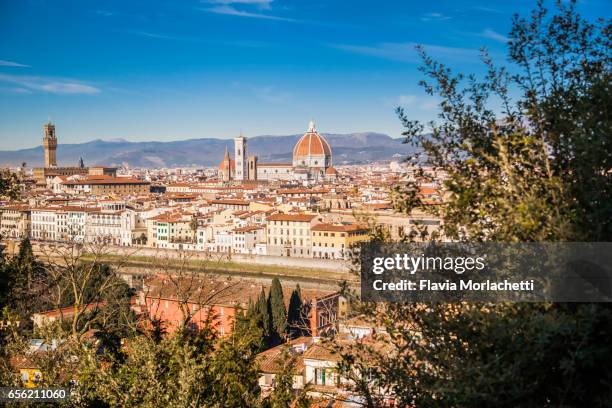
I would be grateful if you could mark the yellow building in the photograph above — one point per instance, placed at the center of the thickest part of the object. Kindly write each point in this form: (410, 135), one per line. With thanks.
(289, 234)
(29, 373)
(332, 241)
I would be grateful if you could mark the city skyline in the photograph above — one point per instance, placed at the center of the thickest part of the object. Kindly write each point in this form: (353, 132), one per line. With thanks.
(167, 71)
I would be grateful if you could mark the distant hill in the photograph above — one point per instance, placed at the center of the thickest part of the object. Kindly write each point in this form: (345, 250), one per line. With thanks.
(347, 148)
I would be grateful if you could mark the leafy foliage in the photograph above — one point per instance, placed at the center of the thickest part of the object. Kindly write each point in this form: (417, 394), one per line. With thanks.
(9, 185)
(540, 170)
(537, 171)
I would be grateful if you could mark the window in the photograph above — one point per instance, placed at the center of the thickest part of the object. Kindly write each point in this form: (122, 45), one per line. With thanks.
(319, 376)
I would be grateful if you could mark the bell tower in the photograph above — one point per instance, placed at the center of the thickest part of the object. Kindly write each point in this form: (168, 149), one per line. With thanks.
(50, 145)
(240, 158)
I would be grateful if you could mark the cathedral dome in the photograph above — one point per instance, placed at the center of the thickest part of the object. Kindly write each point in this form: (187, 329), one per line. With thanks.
(312, 150)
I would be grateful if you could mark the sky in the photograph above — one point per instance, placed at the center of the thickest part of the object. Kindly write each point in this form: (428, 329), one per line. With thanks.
(146, 70)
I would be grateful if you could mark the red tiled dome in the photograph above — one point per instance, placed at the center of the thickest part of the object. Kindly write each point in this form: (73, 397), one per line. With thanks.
(311, 144)
(331, 170)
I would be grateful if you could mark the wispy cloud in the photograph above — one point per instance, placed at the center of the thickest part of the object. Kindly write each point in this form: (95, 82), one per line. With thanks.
(259, 3)
(242, 8)
(15, 90)
(434, 17)
(48, 85)
(5, 63)
(494, 35)
(406, 99)
(488, 9)
(105, 13)
(163, 36)
(406, 52)
(232, 11)
(270, 94)
(426, 103)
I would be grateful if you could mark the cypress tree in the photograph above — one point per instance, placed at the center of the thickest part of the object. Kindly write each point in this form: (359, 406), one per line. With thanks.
(262, 316)
(278, 311)
(294, 314)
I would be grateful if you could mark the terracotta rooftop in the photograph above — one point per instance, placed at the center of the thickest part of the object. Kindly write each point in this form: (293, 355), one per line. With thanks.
(312, 143)
(105, 180)
(338, 227)
(292, 217)
(229, 202)
(270, 361)
(319, 351)
(218, 291)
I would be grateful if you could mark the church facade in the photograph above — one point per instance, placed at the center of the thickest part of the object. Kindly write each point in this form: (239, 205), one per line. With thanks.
(312, 161)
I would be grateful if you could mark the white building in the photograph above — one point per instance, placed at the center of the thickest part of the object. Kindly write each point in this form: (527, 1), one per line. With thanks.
(111, 227)
(71, 223)
(223, 241)
(15, 221)
(43, 225)
(244, 239)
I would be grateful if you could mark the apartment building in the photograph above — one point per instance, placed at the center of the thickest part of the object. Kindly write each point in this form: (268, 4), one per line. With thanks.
(231, 204)
(172, 227)
(290, 234)
(15, 221)
(245, 239)
(43, 224)
(111, 227)
(333, 241)
(104, 185)
(71, 223)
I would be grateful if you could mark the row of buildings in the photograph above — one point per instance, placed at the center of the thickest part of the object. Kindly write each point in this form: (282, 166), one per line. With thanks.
(306, 208)
(247, 231)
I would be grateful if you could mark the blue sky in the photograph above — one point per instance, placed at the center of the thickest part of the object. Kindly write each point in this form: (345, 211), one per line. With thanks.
(170, 70)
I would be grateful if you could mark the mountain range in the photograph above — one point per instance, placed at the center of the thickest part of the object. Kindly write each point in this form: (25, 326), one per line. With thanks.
(349, 148)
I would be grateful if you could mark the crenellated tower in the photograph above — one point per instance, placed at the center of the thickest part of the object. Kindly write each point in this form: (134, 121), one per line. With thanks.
(50, 145)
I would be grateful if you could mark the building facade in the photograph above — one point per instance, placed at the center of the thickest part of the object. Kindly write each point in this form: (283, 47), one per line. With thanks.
(289, 234)
(334, 241)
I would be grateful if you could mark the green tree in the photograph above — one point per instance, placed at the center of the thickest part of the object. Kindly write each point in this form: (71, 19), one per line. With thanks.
(174, 372)
(24, 278)
(261, 315)
(247, 325)
(5, 279)
(9, 185)
(295, 318)
(283, 394)
(537, 171)
(278, 311)
(234, 372)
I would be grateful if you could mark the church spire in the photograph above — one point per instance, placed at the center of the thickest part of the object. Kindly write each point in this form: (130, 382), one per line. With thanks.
(226, 156)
